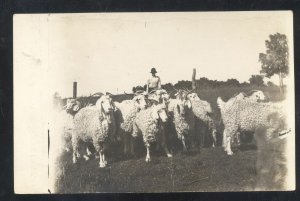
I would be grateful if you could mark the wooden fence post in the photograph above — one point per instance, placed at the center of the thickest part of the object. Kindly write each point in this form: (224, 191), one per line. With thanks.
(74, 89)
(194, 79)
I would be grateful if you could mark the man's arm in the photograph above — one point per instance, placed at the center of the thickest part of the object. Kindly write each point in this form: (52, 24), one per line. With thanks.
(159, 83)
(147, 90)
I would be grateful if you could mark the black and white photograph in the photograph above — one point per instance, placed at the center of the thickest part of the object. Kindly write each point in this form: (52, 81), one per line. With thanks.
(153, 102)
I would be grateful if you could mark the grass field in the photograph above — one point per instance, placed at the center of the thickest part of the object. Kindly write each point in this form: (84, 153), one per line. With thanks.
(209, 169)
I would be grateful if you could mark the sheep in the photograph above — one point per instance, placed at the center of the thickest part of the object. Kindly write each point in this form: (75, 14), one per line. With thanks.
(247, 115)
(148, 123)
(125, 114)
(63, 124)
(255, 96)
(203, 112)
(182, 117)
(160, 95)
(94, 124)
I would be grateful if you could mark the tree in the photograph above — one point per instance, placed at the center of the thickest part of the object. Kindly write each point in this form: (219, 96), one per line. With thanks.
(275, 60)
(232, 82)
(168, 87)
(256, 80)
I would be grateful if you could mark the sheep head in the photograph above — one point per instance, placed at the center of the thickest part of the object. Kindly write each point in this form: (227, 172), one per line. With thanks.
(182, 103)
(106, 107)
(257, 96)
(72, 106)
(160, 96)
(193, 97)
(159, 112)
(140, 100)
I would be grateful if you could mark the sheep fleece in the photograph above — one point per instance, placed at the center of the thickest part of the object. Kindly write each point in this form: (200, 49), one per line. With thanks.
(147, 125)
(90, 124)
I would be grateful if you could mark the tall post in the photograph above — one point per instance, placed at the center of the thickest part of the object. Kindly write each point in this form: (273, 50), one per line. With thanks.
(194, 79)
(74, 89)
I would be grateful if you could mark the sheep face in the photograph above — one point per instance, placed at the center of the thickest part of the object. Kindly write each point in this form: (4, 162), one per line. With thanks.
(160, 96)
(72, 106)
(258, 96)
(106, 107)
(159, 112)
(140, 101)
(193, 97)
(183, 106)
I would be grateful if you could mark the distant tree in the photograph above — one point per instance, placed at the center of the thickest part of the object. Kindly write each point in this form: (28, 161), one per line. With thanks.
(183, 84)
(133, 89)
(168, 87)
(256, 80)
(245, 84)
(275, 60)
(233, 82)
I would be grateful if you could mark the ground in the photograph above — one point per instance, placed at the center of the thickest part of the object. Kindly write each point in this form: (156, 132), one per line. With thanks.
(208, 170)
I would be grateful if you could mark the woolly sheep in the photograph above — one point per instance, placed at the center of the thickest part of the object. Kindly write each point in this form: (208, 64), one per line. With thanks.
(247, 115)
(255, 96)
(203, 112)
(148, 123)
(63, 124)
(125, 114)
(160, 95)
(94, 124)
(182, 117)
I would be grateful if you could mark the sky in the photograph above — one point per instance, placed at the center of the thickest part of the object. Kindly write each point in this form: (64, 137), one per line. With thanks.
(115, 51)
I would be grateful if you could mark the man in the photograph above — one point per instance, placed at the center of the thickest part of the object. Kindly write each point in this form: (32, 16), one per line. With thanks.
(153, 82)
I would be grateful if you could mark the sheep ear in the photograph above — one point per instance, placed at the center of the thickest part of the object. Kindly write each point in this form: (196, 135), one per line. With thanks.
(155, 114)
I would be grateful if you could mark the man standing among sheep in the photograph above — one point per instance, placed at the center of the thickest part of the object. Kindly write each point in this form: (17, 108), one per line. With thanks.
(153, 82)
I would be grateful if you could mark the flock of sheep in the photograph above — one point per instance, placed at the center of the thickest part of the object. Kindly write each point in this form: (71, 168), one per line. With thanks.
(155, 116)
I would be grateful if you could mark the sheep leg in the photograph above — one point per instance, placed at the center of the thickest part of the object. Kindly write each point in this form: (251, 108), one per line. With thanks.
(184, 146)
(228, 146)
(75, 148)
(88, 154)
(101, 162)
(131, 141)
(148, 159)
(167, 151)
(163, 144)
(103, 159)
(224, 140)
(214, 135)
(125, 144)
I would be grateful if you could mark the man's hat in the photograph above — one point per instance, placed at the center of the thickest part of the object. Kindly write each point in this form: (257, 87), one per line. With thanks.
(153, 70)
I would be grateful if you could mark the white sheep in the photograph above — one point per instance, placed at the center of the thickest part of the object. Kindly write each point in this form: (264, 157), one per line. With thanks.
(182, 117)
(203, 112)
(94, 124)
(125, 114)
(63, 124)
(159, 95)
(149, 124)
(255, 96)
(245, 115)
